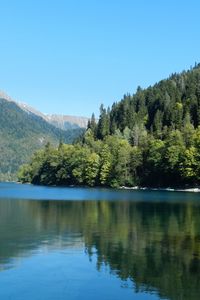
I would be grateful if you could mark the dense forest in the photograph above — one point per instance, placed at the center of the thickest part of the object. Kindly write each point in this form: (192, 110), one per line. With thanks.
(21, 134)
(151, 138)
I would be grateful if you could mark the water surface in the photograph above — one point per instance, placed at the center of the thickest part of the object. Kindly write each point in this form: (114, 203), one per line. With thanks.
(75, 243)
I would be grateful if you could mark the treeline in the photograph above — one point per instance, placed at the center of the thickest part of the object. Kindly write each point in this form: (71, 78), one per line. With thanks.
(151, 138)
(115, 162)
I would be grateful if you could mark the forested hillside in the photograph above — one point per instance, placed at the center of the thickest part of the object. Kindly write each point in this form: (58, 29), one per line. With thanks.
(22, 133)
(168, 105)
(151, 138)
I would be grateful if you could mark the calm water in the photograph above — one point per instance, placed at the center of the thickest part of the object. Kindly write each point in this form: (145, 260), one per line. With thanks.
(73, 243)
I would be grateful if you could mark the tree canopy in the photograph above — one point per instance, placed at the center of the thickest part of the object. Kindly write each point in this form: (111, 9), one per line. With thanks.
(150, 138)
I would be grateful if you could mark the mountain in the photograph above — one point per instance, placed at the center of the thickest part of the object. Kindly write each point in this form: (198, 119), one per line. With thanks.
(64, 122)
(24, 131)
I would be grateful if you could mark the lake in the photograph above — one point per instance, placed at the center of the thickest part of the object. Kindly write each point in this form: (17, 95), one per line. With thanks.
(79, 243)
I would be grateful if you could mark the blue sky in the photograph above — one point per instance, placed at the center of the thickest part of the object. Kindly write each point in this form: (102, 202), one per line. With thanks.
(69, 56)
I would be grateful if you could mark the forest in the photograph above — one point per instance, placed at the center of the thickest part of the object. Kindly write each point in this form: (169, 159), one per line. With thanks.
(150, 138)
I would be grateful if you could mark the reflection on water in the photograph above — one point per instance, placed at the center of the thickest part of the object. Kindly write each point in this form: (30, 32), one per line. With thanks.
(156, 246)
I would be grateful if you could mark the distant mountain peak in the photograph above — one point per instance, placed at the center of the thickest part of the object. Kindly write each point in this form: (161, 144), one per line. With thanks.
(60, 121)
(64, 122)
(29, 109)
(5, 96)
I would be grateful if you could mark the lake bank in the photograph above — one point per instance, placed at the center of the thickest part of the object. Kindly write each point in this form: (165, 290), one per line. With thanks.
(169, 189)
(133, 188)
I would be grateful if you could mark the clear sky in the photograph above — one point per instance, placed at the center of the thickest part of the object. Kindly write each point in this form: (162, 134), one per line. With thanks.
(69, 56)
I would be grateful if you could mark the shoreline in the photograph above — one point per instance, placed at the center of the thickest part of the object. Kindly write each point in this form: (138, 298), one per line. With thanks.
(133, 188)
(168, 189)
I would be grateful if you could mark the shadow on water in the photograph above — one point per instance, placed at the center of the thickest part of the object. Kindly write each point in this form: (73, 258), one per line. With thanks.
(155, 245)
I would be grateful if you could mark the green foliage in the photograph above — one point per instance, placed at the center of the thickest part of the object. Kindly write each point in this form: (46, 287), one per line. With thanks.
(165, 105)
(105, 165)
(91, 169)
(115, 162)
(151, 138)
(21, 134)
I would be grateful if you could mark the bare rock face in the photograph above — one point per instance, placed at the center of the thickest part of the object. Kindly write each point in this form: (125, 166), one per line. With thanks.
(64, 122)
(3, 95)
(30, 109)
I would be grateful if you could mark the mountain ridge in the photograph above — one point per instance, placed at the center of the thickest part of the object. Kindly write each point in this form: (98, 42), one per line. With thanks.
(61, 121)
(23, 132)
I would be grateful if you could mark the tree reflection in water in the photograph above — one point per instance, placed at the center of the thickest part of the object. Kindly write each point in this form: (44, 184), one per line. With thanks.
(156, 245)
